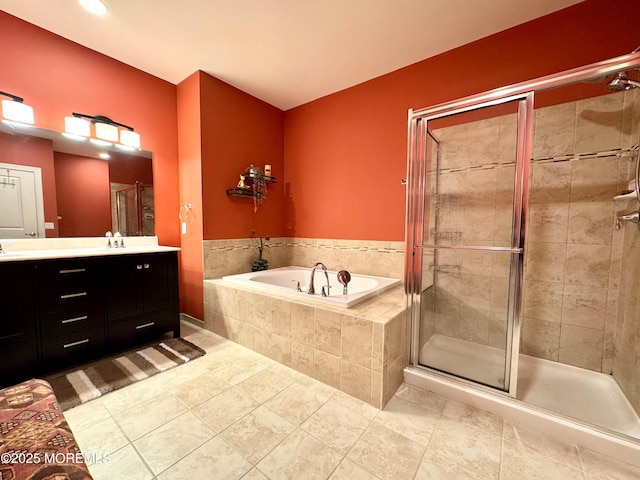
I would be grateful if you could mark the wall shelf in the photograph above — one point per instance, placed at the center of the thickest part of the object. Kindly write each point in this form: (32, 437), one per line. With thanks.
(248, 192)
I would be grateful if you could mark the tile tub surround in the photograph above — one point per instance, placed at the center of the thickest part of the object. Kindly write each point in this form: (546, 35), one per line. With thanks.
(361, 350)
(367, 257)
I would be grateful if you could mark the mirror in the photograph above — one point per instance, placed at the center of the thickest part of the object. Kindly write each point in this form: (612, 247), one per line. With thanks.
(84, 194)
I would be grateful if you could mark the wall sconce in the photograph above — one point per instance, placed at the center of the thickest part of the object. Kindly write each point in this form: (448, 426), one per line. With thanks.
(106, 130)
(15, 110)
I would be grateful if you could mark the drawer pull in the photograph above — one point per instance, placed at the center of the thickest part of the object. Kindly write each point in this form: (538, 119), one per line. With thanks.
(74, 344)
(150, 324)
(76, 319)
(73, 295)
(146, 265)
(74, 270)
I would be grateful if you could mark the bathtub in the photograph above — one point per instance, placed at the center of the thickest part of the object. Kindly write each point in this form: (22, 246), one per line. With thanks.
(285, 280)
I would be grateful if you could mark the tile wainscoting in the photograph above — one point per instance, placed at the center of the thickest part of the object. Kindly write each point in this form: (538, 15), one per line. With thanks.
(367, 257)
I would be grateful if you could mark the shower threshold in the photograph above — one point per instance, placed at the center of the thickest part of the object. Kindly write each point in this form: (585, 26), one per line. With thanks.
(578, 393)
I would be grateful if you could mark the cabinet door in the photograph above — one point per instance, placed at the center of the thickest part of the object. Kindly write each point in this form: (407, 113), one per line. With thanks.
(17, 306)
(124, 288)
(159, 280)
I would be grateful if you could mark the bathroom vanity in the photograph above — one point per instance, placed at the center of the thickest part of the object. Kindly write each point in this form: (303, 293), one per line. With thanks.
(63, 307)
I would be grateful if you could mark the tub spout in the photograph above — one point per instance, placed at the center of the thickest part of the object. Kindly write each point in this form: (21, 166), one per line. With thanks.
(311, 290)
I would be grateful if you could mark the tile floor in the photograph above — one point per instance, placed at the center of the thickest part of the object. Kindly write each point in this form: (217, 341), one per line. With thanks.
(235, 414)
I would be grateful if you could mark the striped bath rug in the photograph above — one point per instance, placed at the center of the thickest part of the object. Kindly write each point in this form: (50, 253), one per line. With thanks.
(103, 376)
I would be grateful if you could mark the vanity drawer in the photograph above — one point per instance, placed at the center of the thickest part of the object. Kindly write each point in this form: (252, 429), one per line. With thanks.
(72, 348)
(66, 321)
(65, 284)
(141, 329)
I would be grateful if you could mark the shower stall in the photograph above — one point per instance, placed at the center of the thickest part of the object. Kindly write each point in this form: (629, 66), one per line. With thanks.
(133, 209)
(523, 249)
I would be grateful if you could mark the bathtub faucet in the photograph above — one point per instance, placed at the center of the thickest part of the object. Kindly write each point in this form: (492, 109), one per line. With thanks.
(311, 290)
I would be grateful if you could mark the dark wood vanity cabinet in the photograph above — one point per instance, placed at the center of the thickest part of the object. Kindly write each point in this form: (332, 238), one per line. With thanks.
(18, 342)
(71, 310)
(59, 313)
(142, 297)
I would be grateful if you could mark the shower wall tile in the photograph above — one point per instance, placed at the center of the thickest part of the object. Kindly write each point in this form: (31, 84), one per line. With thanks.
(476, 262)
(581, 347)
(584, 306)
(480, 186)
(594, 179)
(588, 265)
(546, 262)
(498, 329)
(548, 222)
(554, 130)
(505, 180)
(608, 353)
(501, 264)
(508, 139)
(616, 266)
(550, 182)
(499, 293)
(502, 226)
(478, 224)
(477, 290)
(540, 338)
(543, 301)
(591, 223)
(599, 123)
(630, 119)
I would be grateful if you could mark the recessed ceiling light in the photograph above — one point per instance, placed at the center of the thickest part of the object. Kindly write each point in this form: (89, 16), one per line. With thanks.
(97, 7)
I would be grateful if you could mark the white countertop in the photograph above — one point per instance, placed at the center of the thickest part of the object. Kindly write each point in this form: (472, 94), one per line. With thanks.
(49, 248)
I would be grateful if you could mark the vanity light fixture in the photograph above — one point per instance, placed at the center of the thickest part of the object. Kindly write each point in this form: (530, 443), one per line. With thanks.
(97, 7)
(77, 126)
(105, 130)
(15, 110)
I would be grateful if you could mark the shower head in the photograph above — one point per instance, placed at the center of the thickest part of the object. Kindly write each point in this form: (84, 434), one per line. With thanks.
(621, 83)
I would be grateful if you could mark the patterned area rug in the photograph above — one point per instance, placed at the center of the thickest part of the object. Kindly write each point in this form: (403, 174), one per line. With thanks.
(36, 442)
(98, 378)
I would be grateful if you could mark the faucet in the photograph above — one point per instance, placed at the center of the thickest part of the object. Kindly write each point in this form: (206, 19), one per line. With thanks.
(628, 217)
(311, 290)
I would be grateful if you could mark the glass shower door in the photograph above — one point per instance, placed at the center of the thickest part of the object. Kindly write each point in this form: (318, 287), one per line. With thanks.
(468, 179)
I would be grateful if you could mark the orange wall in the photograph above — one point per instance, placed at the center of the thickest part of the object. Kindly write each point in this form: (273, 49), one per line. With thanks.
(129, 169)
(34, 152)
(84, 198)
(221, 131)
(345, 154)
(189, 133)
(56, 77)
(238, 130)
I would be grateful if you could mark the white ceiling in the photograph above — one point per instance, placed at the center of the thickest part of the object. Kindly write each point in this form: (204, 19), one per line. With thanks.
(285, 52)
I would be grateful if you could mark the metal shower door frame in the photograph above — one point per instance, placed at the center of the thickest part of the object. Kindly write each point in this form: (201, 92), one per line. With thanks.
(417, 195)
